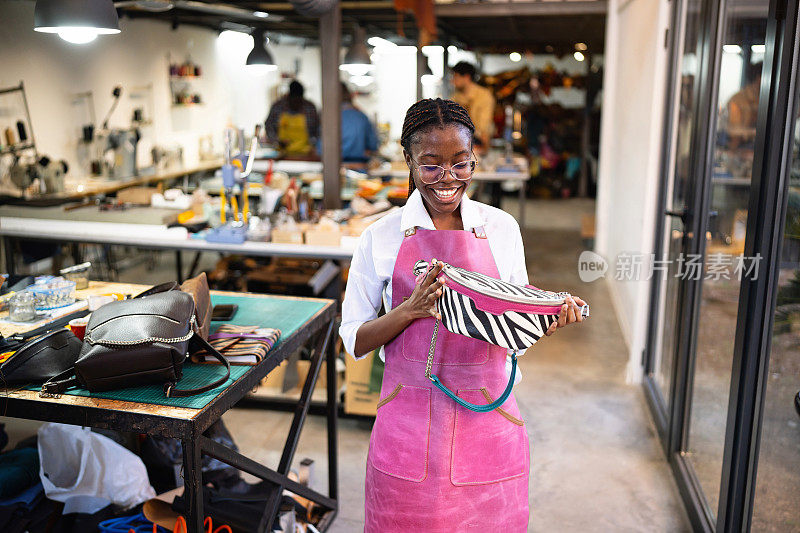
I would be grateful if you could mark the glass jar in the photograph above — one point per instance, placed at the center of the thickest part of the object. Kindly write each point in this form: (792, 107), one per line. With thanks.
(22, 307)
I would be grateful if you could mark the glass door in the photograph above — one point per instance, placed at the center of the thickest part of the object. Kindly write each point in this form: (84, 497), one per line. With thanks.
(723, 353)
(777, 494)
(673, 245)
(740, 61)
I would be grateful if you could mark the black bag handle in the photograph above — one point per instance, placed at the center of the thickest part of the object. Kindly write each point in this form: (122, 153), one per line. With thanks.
(155, 289)
(172, 392)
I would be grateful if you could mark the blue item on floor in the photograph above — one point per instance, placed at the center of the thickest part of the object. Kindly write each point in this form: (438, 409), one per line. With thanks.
(27, 498)
(19, 469)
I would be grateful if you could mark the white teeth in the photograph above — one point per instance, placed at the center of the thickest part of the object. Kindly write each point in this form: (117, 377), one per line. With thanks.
(445, 194)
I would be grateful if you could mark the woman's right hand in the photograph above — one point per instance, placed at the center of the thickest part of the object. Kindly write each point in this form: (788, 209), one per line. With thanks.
(422, 302)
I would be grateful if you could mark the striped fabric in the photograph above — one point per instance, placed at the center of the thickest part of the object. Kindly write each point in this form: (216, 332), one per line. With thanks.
(511, 329)
(240, 344)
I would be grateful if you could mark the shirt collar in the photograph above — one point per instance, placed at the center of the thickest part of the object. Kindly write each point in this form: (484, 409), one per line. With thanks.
(416, 216)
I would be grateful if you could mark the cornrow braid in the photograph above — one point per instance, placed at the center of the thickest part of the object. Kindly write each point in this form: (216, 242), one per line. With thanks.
(431, 113)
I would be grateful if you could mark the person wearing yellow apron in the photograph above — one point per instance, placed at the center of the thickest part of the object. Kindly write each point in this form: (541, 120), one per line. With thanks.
(293, 123)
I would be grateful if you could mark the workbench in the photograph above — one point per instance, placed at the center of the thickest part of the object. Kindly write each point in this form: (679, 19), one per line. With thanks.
(140, 227)
(145, 409)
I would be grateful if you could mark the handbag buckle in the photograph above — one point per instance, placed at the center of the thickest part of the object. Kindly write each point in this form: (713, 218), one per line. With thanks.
(45, 393)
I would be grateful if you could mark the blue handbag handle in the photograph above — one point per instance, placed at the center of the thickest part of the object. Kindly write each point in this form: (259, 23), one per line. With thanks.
(486, 408)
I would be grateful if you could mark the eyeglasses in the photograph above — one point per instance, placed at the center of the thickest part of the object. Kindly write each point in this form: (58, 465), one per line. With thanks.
(430, 174)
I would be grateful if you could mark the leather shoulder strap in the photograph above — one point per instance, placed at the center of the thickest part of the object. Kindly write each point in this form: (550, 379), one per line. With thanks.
(163, 287)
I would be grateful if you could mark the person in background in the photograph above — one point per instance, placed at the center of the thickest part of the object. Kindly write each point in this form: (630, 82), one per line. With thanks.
(359, 140)
(477, 100)
(293, 123)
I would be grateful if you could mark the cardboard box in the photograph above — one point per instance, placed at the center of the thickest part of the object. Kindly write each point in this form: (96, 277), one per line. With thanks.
(274, 379)
(323, 237)
(287, 236)
(322, 378)
(358, 400)
(136, 195)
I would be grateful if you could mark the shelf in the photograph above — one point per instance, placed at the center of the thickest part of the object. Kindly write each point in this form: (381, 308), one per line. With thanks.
(16, 148)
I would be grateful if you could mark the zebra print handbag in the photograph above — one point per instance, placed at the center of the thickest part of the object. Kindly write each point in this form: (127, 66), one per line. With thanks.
(485, 308)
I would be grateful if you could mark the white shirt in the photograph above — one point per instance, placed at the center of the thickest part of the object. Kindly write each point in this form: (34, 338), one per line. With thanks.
(370, 277)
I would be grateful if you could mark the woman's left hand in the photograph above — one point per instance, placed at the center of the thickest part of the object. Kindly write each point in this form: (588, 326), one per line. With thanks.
(570, 312)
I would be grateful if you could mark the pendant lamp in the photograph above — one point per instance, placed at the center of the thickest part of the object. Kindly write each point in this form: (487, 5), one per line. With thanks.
(357, 61)
(76, 21)
(259, 57)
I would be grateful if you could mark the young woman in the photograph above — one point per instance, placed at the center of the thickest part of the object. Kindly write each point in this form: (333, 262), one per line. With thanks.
(433, 465)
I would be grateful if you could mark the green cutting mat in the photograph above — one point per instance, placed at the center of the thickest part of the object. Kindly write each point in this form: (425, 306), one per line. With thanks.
(285, 314)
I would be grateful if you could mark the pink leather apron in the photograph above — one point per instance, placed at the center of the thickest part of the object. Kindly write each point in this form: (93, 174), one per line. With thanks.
(433, 465)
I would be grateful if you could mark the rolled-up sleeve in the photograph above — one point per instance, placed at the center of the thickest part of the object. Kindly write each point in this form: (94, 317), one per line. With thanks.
(362, 296)
(519, 276)
(519, 270)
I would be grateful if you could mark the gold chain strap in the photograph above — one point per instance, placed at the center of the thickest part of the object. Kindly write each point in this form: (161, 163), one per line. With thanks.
(431, 350)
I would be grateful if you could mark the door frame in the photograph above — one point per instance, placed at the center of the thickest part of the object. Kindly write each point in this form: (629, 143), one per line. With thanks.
(767, 206)
(778, 103)
(673, 418)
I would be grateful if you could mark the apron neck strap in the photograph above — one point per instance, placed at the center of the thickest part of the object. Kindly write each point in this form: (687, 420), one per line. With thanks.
(478, 231)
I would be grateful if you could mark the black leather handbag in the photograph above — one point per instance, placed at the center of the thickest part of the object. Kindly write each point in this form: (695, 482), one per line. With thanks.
(136, 342)
(41, 358)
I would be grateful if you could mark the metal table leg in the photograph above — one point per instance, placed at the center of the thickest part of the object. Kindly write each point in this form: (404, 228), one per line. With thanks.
(8, 243)
(273, 502)
(193, 483)
(179, 265)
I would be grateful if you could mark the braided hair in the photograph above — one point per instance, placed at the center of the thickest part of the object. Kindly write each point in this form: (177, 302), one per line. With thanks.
(428, 114)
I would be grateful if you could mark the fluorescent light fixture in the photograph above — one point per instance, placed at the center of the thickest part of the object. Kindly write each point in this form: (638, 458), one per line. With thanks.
(758, 48)
(260, 60)
(731, 48)
(516, 57)
(380, 42)
(578, 56)
(76, 21)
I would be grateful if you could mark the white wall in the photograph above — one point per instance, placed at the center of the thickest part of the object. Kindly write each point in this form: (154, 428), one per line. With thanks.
(630, 147)
(54, 71)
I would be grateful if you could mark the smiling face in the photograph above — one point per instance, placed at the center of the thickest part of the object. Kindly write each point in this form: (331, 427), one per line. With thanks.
(443, 146)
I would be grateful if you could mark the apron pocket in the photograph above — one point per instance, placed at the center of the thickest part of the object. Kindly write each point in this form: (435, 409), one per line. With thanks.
(451, 349)
(399, 442)
(487, 447)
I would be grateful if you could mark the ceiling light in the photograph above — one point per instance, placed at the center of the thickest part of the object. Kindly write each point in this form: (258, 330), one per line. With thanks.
(758, 48)
(731, 48)
(581, 47)
(76, 21)
(516, 57)
(259, 58)
(260, 14)
(356, 60)
(578, 56)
